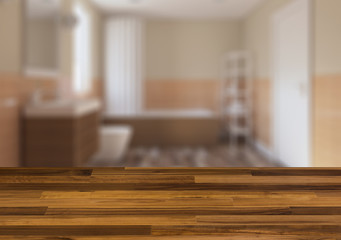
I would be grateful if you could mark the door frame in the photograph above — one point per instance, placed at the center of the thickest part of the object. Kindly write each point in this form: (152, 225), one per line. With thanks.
(308, 5)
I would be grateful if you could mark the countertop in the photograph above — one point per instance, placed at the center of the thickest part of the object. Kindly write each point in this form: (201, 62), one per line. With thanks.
(170, 203)
(62, 108)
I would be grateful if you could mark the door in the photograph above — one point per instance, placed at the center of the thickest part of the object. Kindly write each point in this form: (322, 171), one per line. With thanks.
(292, 79)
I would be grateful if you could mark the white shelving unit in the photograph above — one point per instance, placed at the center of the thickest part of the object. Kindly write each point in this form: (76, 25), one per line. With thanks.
(236, 96)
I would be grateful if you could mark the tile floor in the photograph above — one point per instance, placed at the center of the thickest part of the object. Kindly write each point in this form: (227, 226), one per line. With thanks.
(217, 156)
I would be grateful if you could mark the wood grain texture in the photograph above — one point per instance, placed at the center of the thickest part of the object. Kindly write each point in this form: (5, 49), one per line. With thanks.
(166, 131)
(19, 87)
(170, 203)
(66, 142)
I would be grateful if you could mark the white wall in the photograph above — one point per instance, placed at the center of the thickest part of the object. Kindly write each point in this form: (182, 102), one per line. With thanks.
(10, 36)
(327, 37)
(187, 50)
(256, 35)
(42, 44)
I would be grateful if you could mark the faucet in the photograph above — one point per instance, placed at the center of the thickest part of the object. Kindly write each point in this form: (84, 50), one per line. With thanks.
(38, 93)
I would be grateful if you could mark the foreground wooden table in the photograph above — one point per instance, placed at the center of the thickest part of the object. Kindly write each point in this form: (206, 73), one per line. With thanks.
(167, 204)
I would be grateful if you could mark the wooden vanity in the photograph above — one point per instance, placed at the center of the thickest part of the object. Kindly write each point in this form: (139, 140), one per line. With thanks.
(60, 136)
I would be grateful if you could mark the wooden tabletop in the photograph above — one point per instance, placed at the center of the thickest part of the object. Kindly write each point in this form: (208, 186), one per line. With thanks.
(170, 204)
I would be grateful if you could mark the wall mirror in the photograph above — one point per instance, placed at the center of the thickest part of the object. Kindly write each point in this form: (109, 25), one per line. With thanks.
(41, 38)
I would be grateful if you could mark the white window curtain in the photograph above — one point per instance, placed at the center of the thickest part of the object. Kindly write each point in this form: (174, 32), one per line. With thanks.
(124, 59)
(82, 65)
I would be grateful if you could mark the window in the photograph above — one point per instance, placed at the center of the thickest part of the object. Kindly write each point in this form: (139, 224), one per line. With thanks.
(82, 65)
(124, 65)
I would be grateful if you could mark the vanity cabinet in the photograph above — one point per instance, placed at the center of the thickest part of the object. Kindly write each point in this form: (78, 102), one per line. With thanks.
(60, 141)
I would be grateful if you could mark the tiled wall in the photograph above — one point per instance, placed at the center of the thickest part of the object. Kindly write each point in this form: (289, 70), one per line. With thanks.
(173, 94)
(181, 94)
(15, 91)
(263, 112)
(327, 121)
(9, 122)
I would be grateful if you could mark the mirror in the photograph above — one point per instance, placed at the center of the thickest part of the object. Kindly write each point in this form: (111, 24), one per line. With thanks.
(41, 38)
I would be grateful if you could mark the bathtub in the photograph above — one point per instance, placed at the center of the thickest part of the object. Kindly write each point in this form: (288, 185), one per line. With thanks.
(194, 127)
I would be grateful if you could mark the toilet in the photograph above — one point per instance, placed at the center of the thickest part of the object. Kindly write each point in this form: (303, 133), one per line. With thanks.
(114, 142)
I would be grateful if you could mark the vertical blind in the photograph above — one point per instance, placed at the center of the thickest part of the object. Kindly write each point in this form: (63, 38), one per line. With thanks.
(124, 50)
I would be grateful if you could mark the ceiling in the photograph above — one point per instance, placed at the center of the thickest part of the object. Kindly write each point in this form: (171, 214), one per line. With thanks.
(42, 8)
(180, 9)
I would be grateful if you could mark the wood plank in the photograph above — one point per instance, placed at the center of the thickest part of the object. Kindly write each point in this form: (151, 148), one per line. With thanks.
(170, 204)
(133, 220)
(207, 194)
(21, 194)
(22, 211)
(180, 203)
(297, 172)
(327, 210)
(75, 230)
(269, 220)
(211, 237)
(293, 202)
(171, 171)
(168, 187)
(45, 172)
(141, 179)
(97, 220)
(227, 230)
(265, 180)
(186, 211)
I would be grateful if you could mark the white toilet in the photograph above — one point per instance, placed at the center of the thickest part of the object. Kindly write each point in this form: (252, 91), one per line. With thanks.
(114, 142)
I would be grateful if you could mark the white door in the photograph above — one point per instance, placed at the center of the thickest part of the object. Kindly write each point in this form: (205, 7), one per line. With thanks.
(292, 79)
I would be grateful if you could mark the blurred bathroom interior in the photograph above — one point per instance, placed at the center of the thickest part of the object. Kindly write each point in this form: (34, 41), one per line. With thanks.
(170, 83)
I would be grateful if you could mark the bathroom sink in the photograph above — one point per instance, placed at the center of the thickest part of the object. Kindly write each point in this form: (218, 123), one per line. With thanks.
(62, 108)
